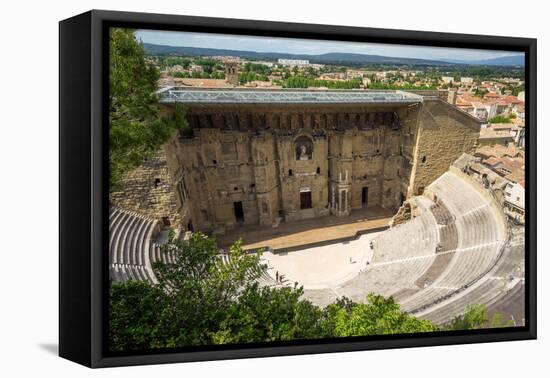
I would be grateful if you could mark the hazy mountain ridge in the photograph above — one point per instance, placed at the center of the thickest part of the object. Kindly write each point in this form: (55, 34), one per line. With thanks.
(327, 58)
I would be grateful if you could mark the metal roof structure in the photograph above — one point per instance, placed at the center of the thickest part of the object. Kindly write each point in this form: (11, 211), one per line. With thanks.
(284, 96)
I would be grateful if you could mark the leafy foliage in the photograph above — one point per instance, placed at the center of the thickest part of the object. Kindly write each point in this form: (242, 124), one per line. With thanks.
(257, 67)
(136, 313)
(248, 76)
(379, 316)
(136, 130)
(299, 81)
(502, 118)
(201, 300)
(476, 317)
(199, 75)
(404, 86)
(263, 314)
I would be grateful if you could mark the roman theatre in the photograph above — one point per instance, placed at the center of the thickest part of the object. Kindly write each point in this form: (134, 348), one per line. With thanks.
(346, 192)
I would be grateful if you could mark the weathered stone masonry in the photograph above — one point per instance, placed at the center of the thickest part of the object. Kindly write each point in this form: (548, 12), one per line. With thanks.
(444, 133)
(263, 163)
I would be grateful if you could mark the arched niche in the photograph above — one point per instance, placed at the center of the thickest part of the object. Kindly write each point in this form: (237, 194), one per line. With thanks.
(303, 147)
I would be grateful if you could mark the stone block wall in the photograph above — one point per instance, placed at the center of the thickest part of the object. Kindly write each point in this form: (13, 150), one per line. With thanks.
(149, 190)
(264, 157)
(444, 134)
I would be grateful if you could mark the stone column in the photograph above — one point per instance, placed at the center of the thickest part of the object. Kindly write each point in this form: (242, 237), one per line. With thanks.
(345, 200)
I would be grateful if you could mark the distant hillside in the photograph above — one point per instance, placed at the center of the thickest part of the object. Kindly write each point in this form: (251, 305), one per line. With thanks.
(514, 60)
(329, 58)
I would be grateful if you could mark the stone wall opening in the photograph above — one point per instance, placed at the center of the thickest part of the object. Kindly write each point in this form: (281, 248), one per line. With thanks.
(305, 200)
(365, 197)
(238, 211)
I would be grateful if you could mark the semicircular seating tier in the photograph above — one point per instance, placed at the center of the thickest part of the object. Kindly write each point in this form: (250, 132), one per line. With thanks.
(454, 252)
(131, 246)
(134, 248)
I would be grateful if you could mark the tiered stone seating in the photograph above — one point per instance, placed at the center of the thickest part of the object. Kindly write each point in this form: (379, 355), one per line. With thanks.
(157, 254)
(482, 293)
(456, 194)
(441, 214)
(386, 278)
(418, 237)
(451, 254)
(511, 303)
(448, 237)
(439, 265)
(441, 259)
(264, 279)
(401, 256)
(129, 243)
(471, 226)
(492, 289)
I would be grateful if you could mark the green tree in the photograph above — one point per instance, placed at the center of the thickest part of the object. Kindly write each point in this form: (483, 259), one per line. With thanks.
(502, 119)
(136, 130)
(474, 317)
(378, 316)
(202, 299)
(497, 321)
(266, 314)
(479, 93)
(135, 311)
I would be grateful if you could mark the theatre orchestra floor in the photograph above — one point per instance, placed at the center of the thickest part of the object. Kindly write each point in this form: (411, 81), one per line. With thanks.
(298, 233)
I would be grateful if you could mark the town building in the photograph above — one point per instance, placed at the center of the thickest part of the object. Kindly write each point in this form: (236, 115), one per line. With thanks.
(293, 62)
(232, 73)
(492, 134)
(515, 201)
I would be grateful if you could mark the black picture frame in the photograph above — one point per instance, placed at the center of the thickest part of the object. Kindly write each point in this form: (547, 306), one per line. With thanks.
(83, 201)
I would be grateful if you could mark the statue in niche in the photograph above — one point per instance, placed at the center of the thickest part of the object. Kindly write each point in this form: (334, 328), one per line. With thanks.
(395, 121)
(378, 119)
(387, 119)
(303, 148)
(303, 153)
(370, 120)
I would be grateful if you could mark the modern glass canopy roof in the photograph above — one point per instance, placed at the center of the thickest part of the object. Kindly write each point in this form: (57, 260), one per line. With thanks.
(284, 96)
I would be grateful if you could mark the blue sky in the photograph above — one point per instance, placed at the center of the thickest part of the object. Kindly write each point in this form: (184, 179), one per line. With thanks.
(302, 46)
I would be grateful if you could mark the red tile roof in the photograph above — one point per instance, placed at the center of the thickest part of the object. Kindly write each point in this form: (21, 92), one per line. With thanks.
(512, 100)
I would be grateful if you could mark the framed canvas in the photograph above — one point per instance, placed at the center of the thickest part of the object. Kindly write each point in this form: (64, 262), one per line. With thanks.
(235, 188)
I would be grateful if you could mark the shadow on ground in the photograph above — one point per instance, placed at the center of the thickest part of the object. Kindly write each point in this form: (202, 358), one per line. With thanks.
(51, 348)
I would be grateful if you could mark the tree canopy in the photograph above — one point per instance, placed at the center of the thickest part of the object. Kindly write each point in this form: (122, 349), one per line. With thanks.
(299, 81)
(200, 300)
(502, 118)
(136, 128)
